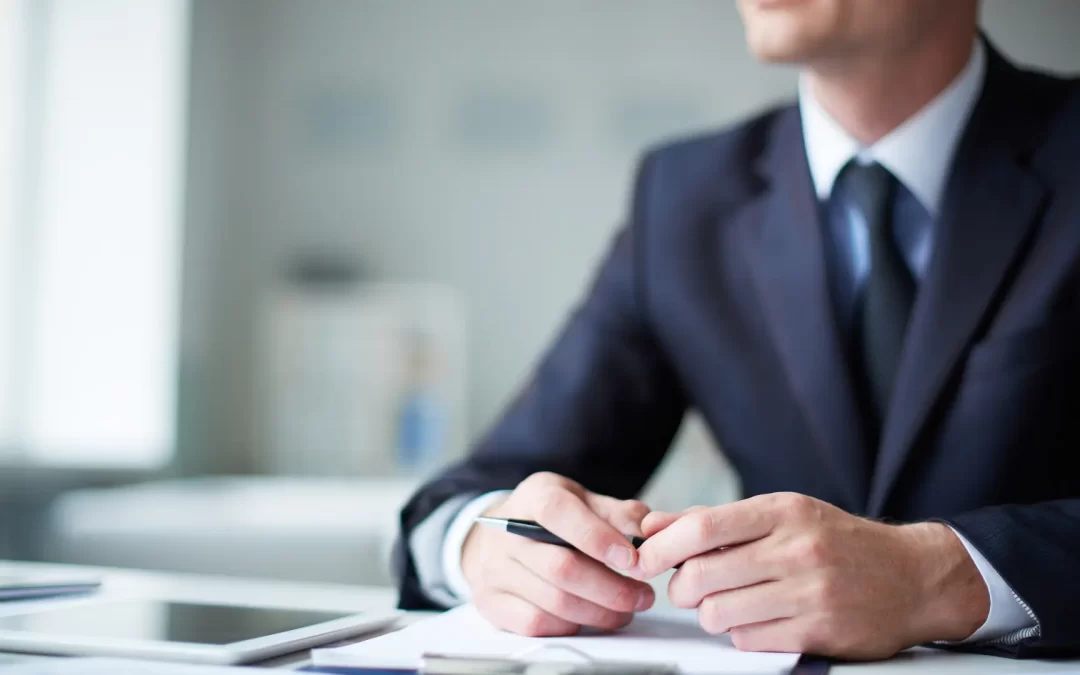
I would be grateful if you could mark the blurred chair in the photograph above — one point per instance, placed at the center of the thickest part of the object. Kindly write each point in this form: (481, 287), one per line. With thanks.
(311, 529)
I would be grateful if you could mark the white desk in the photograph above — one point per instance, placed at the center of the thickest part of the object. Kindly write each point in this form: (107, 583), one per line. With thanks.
(129, 583)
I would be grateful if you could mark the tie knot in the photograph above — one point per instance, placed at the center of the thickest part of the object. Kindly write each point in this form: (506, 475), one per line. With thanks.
(870, 187)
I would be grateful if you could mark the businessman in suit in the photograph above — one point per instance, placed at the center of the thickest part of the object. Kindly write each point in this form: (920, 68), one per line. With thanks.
(873, 298)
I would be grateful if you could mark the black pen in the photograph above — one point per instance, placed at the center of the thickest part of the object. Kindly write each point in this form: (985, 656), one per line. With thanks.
(537, 532)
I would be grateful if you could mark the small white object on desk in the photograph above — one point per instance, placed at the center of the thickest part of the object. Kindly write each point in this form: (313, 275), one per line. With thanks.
(657, 637)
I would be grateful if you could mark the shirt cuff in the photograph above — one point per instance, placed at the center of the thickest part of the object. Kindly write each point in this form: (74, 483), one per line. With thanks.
(426, 546)
(1010, 619)
(455, 540)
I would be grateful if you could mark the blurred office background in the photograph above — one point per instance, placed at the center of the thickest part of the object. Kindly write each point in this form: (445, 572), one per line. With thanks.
(264, 264)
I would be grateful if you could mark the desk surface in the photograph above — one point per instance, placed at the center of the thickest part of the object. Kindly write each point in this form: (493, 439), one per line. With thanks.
(130, 583)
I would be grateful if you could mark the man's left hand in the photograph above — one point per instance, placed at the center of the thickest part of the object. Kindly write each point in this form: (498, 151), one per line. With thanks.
(789, 573)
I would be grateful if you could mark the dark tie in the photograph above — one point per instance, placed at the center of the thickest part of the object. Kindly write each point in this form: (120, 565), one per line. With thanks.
(889, 293)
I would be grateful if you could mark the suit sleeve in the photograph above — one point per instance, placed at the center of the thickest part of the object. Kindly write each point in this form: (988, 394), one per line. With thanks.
(601, 408)
(1036, 549)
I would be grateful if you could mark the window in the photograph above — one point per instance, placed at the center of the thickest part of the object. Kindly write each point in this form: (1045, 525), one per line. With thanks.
(92, 208)
(12, 30)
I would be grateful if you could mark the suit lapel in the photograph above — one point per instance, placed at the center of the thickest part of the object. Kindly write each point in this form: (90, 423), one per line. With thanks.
(990, 206)
(783, 232)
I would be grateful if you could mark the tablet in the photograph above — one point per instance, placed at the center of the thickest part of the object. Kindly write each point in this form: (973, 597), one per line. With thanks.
(25, 586)
(191, 632)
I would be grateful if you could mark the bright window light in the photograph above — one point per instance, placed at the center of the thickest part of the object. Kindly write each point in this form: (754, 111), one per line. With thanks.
(12, 31)
(104, 244)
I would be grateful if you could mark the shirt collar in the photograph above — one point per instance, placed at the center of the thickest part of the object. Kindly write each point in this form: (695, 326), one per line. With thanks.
(918, 152)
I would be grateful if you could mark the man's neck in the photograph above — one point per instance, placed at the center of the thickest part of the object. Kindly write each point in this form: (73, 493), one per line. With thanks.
(871, 97)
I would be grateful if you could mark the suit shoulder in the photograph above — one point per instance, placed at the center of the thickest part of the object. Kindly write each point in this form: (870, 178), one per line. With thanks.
(1064, 103)
(1050, 118)
(732, 152)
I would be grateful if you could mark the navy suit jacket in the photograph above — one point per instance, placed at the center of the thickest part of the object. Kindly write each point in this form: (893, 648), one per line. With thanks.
(714, 296)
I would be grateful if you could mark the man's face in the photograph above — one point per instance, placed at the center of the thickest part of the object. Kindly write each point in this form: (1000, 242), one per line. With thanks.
(809, 31)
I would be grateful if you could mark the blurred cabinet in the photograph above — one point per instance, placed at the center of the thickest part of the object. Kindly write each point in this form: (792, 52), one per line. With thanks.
(345, 366)
(310, 529)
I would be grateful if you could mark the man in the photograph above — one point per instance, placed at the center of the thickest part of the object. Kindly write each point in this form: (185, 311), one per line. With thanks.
(873, 298)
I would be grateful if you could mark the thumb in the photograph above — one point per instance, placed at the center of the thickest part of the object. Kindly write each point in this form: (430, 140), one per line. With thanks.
(624, 515)
(658, 521)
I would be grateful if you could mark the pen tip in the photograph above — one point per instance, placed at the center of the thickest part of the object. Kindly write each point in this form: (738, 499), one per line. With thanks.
(485, 520)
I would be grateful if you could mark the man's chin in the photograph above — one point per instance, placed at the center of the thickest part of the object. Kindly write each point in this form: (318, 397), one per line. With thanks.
(778, 57)
(778, 54)
(785, 40)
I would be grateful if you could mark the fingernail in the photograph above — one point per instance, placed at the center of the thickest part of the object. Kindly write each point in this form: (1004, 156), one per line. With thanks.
(620, 557)
(644, 601)
(637, 571)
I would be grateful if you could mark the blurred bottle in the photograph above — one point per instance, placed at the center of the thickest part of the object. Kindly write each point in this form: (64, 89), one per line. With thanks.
(423, 416)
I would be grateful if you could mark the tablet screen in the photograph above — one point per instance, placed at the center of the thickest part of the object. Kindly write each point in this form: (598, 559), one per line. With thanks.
(165, 621)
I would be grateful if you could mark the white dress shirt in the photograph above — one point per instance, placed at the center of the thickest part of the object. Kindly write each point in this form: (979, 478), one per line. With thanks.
(919, 154)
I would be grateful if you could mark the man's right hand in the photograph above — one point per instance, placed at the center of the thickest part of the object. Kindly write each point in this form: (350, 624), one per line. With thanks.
(538, 589)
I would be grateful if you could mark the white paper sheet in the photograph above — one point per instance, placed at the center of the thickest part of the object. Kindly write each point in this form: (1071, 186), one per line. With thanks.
(666, 637)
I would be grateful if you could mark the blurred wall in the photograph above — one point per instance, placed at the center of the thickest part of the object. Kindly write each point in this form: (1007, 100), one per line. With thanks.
(480, 143)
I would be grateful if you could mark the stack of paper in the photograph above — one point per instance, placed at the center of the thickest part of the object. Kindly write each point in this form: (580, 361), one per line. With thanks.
(658, 637)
